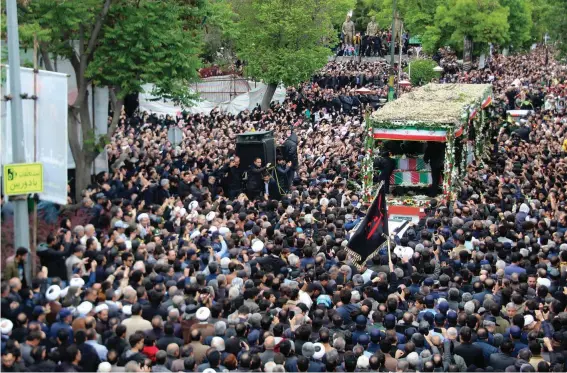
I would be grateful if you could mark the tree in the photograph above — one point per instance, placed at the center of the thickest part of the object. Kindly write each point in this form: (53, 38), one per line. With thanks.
(484, 21)
(338, 11)
(415, 14)
(422, 71)
(284, 40)
(520, 21)
(541, 11)
(554, 15)
(364, 10)
(123, 44)
(221, 31)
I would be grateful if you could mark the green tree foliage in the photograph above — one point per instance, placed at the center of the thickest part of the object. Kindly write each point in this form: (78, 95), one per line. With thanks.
(364, 10)
(120, 43)
(554, 14)
(221, 31)
(541, 11)
(284, 40)
(415, 14)
(131, 54)
(520, 21)
(422, 71)
(339, 9)
(484, 21)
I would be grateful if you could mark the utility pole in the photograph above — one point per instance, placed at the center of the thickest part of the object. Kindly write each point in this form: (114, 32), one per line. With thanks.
(392, 50)
(21, 216)
(393, 37)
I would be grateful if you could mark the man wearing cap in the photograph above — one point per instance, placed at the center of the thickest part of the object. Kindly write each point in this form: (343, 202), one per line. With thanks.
(515, 337)
(121, 227)
(360, 328)
(429, 303)
(39, 317)
(65, 319)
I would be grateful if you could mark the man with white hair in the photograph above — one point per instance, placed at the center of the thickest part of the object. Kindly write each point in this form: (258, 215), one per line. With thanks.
(90, 232)
(414, 361)
(79, 231)
(130, 296)
(363, 363)
(220, 328)
(269, 367)
(218, 344)
(104, 367)
(139, 266)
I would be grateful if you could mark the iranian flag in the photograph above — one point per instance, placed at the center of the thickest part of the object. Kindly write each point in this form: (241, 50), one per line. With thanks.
(486, 102)
(411, 164)
(473, 114)
(410, 177)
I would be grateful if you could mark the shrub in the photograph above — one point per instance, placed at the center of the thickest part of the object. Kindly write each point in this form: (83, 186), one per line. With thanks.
(422, 71)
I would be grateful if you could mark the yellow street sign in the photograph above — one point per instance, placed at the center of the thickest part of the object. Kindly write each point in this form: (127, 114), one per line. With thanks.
(23, 178)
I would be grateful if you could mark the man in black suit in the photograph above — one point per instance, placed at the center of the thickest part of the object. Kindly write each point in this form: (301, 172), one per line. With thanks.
(501, 360)
(386, 165)
(273, 261)
(255, 183)
(270, 188)
(233, 177)
(471, 353)
(435, 156)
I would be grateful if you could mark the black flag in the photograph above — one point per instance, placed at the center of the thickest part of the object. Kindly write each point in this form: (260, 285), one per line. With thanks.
(372, 231)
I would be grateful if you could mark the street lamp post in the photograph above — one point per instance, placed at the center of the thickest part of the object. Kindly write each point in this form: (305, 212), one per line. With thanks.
(392, 41)
(392, 57)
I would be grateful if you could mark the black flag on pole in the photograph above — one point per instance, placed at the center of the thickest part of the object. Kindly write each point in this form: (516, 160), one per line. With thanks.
(372, 232)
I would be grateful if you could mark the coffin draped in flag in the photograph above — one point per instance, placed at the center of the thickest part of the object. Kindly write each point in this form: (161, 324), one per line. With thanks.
(372, 232)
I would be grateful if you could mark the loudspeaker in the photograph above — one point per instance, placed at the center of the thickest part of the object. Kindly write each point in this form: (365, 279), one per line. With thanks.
(250, 145)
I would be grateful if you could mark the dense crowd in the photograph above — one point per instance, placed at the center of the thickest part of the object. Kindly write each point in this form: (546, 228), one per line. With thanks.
(186, 267)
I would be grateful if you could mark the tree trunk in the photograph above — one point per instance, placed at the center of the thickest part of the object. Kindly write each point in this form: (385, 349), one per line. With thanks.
(83, 158)
(268, 96)
(83, 170)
